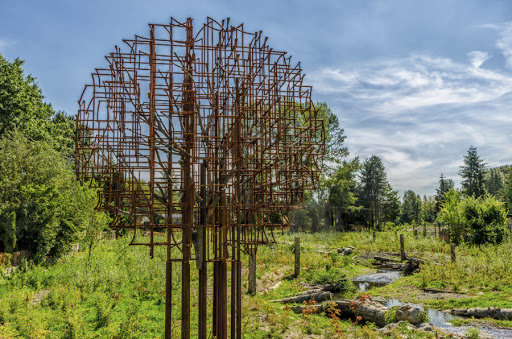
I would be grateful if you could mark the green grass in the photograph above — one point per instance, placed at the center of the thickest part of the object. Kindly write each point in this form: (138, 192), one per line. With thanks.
(120, 293)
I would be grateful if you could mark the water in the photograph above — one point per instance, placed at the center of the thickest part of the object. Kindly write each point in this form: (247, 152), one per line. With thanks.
(442, 320)
(381, 278)
(437, 318)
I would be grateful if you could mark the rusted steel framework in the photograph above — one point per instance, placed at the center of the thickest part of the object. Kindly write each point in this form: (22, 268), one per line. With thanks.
(206, 136)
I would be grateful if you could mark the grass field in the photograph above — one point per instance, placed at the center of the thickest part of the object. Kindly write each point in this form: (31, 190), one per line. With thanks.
(120, 291)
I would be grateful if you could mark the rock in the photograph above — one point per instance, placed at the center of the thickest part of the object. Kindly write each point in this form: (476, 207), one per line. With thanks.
(346, 251)
(427, 327)
(411, 314)
(39, 296)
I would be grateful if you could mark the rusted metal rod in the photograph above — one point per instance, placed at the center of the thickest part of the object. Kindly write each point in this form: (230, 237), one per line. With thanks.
(201, 139)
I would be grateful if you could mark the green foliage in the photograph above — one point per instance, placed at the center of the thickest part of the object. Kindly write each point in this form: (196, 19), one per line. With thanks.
(390, 315)
(411, 208)
(43, 207)
(327, 276)
(472, 174)
(428, 209)
(495, 183)
(444, 186)
(341, 198)
(21, 101)
(477, 220)
(473, 333)
(375, 193)
(335, 150)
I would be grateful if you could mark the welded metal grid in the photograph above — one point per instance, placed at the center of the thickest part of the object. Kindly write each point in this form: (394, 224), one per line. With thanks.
(208, 136)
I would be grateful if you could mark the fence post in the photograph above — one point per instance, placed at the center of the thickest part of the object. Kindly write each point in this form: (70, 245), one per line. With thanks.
(454, 256)
(297, 256)
(374, 236)
(402, 248)
(424, 230)
(252, 271)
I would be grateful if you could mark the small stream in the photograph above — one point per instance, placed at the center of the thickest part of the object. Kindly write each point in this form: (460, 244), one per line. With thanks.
(437, 318)
(381, 278)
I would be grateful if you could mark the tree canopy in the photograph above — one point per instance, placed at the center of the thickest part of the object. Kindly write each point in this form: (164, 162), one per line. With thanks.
(373, 188)
(474, 219)
(472, 173)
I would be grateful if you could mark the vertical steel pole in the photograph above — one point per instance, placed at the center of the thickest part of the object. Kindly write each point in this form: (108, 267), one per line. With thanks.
(151, 141)
(203, 274)
(188, 117)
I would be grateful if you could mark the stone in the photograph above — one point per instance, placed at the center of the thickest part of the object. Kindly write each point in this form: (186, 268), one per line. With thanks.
(427, 327)
(411, 314)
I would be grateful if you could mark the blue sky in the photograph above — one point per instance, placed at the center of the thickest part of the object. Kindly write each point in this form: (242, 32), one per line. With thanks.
(414, 82)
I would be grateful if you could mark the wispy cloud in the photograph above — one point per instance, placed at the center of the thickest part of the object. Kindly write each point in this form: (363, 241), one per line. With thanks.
(505, 42)
(420, 113)
(393, 86)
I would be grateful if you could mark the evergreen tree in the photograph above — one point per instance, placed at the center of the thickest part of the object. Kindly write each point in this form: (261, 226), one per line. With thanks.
(341, 194)
(373, 189)
(444, 186)
(495, 183)
(411, 208)
(472, 174)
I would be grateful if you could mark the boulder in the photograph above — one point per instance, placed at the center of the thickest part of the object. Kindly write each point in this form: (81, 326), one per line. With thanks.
(413, 315)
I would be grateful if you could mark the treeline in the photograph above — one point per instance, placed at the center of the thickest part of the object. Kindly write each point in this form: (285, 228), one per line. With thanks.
(351, 193)
(43, 209)
(355, 194)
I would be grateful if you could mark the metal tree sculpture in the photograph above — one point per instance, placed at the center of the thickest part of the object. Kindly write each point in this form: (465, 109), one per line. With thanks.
(209, 137)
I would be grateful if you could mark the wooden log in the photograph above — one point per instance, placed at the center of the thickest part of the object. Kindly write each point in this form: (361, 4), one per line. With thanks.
(317, 297)
(402, 248)
(384, 259)
(317, 308)
(484, 312)
(252, 272)
(297, 256)
(369, 310)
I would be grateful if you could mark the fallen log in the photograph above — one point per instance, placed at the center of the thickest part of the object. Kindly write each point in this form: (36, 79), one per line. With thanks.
(484, 312)
(383, 259)
(317, 297)
(317, 308)
(369, 310)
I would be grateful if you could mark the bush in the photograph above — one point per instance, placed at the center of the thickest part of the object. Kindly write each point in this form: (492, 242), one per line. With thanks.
(44, 208)
(476, 220)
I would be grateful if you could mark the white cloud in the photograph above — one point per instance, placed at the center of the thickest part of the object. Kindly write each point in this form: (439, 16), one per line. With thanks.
(421, 113)
(477, 58)
(505, 42)
(393, 86)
